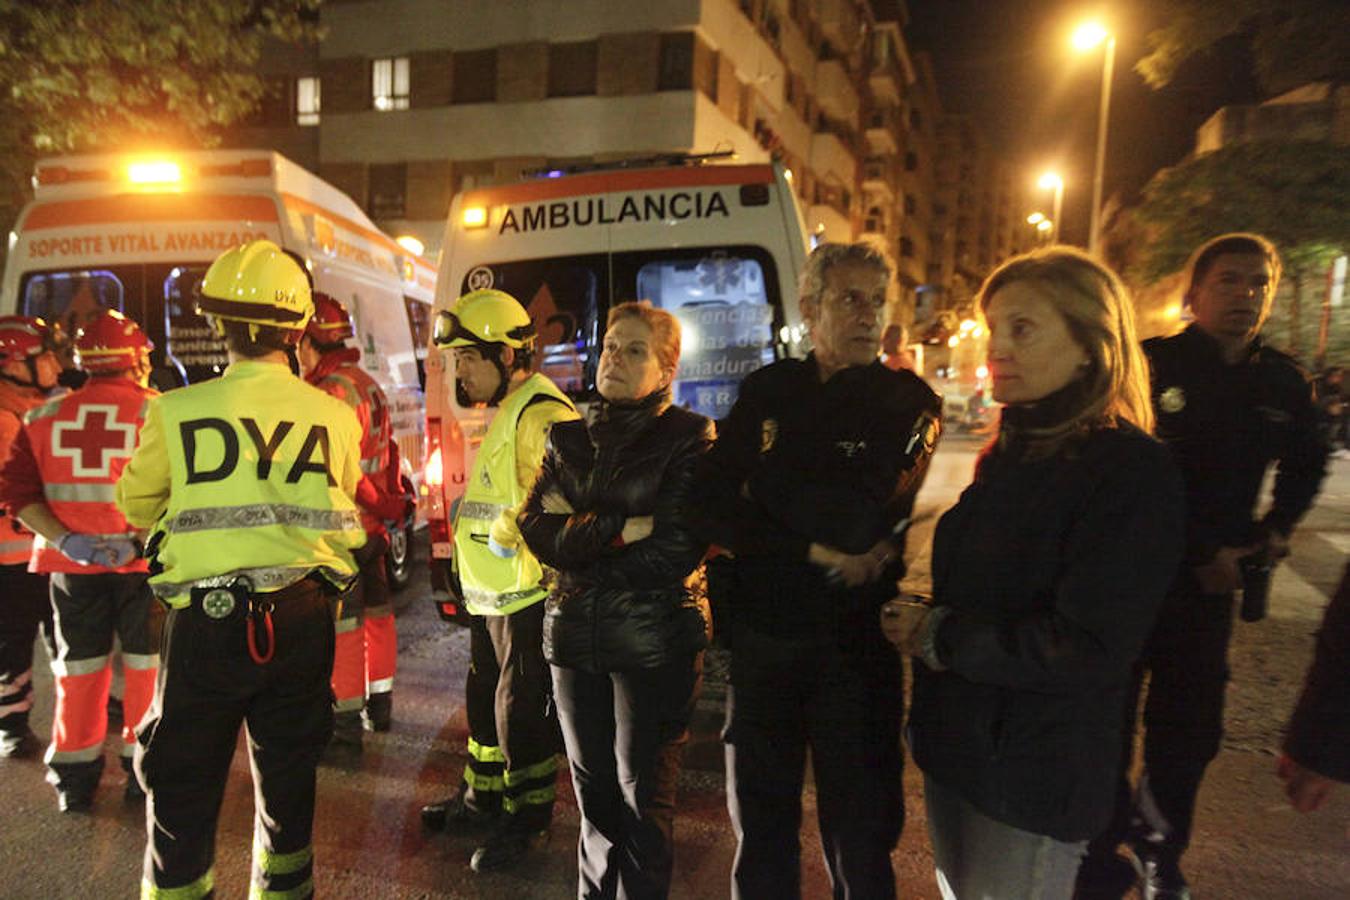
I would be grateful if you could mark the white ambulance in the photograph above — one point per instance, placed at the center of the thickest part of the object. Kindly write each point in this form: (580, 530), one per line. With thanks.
(720, 246)
(136, 234)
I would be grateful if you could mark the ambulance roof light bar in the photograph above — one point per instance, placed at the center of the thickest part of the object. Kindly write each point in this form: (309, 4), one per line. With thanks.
(638, 162)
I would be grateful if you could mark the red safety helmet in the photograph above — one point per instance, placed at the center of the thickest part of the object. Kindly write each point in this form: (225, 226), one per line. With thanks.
(330, 323)
(111, 343)
(24, 338)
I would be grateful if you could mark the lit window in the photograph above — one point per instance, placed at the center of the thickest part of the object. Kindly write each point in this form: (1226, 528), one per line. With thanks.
(389, 83)
(307, 101)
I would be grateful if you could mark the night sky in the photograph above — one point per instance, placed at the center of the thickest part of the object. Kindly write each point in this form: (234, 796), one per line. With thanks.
(1008, 63)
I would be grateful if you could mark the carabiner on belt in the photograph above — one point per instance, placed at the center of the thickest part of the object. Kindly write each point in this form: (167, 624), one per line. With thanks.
(260, 607)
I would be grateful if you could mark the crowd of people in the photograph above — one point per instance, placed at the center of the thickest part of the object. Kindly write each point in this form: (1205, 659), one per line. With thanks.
(232, 534)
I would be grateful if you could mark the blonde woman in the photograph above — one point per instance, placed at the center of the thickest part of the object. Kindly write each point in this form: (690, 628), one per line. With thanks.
(1047, 575)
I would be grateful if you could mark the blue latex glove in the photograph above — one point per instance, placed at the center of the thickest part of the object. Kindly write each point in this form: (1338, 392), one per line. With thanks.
(119, 550)
(84, 549)
(499, 550)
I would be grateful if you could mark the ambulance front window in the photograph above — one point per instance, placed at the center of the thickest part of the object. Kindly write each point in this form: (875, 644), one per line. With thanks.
(563, 296)
(73, 298)
(193, 349)
(726, 310)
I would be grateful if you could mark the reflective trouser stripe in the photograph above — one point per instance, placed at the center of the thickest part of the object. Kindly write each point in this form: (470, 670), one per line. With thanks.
(195, 891)
(485, 752)
(137, 693)
(539, 770)
(143, 661)
(17, 695)
(495, 783)
(381, 649)
(281, 863)
(80, 721)
(299, 892)
(16, 551)
(538, 797)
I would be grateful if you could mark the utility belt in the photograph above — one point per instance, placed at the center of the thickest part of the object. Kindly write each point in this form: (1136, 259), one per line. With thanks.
(229, 603)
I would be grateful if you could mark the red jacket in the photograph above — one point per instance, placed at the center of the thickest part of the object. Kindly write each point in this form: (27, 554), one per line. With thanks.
(16, 542)
(378, 496)
(69, 456)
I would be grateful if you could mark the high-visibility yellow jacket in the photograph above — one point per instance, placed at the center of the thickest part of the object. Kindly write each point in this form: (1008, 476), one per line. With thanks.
(495, 585)
(251, 474)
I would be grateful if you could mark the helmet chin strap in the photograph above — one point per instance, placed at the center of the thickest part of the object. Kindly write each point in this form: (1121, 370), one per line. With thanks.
(32, 382)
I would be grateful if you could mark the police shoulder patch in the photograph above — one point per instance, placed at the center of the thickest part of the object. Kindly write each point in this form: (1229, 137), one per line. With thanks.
(1172, 400)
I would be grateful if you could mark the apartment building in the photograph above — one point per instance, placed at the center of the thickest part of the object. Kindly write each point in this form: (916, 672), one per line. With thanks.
(1319, 111)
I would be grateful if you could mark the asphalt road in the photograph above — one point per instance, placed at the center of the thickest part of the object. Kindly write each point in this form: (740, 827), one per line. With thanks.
(369, 842)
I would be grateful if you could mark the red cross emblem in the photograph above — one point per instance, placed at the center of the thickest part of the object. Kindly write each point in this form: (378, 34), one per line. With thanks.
(93, 440)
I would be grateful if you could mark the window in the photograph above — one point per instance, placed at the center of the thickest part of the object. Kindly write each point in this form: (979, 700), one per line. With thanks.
(911, 162)
(906, 247)
(388, 190)
(389, 83)
(571, 69)
(677, 62)
(475, 77)
(915, 119)
(911, 205)
(194, 349)
(307, 101)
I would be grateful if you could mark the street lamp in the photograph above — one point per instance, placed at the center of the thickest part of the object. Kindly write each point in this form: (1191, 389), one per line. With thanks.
(1085, 38)
(1051, 180)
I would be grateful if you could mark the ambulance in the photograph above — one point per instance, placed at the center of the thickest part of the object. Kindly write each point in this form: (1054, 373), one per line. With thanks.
(136, 234)
(719, 246)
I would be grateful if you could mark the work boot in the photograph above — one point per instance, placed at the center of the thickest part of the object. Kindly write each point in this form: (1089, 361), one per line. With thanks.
(459, 811)
(344, 748)
(75, 799)
(1159, 870)
(378, 714)
(508, 845)
(19, 744)
(1104, 877)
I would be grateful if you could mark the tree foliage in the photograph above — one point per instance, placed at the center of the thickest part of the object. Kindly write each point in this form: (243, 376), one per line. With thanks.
(107, 75)
(1293, 41)
(1292, 192)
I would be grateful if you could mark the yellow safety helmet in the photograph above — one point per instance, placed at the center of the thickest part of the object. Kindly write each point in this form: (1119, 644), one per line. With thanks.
(485, 317)
(259, 284)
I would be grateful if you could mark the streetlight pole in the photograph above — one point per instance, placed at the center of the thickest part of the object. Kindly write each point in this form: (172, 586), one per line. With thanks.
(1108, 67)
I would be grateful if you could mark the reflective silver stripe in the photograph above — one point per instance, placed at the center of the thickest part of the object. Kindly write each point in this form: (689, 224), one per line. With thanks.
(349, 705)
(265, 579)
(88, 754)
(342, 626)
(127, 751)
(371, 465)
(45, 411)
(140, 661)
(261, 515)
(79, 493)
(476, 509)
(497, 601)
(15, 546)
(66, 668)
(380, 685)
(378, 612)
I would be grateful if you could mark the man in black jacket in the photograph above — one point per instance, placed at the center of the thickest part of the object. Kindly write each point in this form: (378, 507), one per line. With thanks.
(1228, 406)
(809, 487)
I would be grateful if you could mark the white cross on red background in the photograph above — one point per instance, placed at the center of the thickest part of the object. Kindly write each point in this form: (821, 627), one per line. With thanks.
(93, 440)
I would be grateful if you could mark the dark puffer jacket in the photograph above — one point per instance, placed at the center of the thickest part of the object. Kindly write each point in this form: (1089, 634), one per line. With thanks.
(617, 607)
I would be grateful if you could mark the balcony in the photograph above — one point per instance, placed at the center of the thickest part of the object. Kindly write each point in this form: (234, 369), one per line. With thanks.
(878, 178)
(830, 153)
(839, 22)
(831, 224)
(835, 91)
(883, 130)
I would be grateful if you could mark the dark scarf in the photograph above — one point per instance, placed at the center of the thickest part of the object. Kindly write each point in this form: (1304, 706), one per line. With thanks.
(615, 422)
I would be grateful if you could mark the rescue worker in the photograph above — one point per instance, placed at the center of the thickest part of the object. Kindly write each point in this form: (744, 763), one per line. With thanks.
(1228, 406)
(514, 738)
(60, 479)
(367, 643)
(246, 484)
(810, 485)
(29, 368)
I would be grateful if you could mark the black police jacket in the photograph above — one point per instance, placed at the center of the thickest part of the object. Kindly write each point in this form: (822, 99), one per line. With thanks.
(1051, 572)
(800, 461)
(617, 607)
(1226, 424)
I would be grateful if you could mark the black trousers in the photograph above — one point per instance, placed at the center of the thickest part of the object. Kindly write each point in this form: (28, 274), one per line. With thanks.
(208, 685)
(846, 708)
(625, 733)
(24, 609)
(513, 726)
(1186, 661)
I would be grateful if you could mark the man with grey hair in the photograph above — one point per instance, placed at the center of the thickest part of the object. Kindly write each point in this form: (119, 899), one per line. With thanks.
(808, 489)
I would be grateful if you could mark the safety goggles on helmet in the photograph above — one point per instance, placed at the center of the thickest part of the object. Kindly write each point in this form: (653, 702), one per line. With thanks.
(26, 337)
(449, 331)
